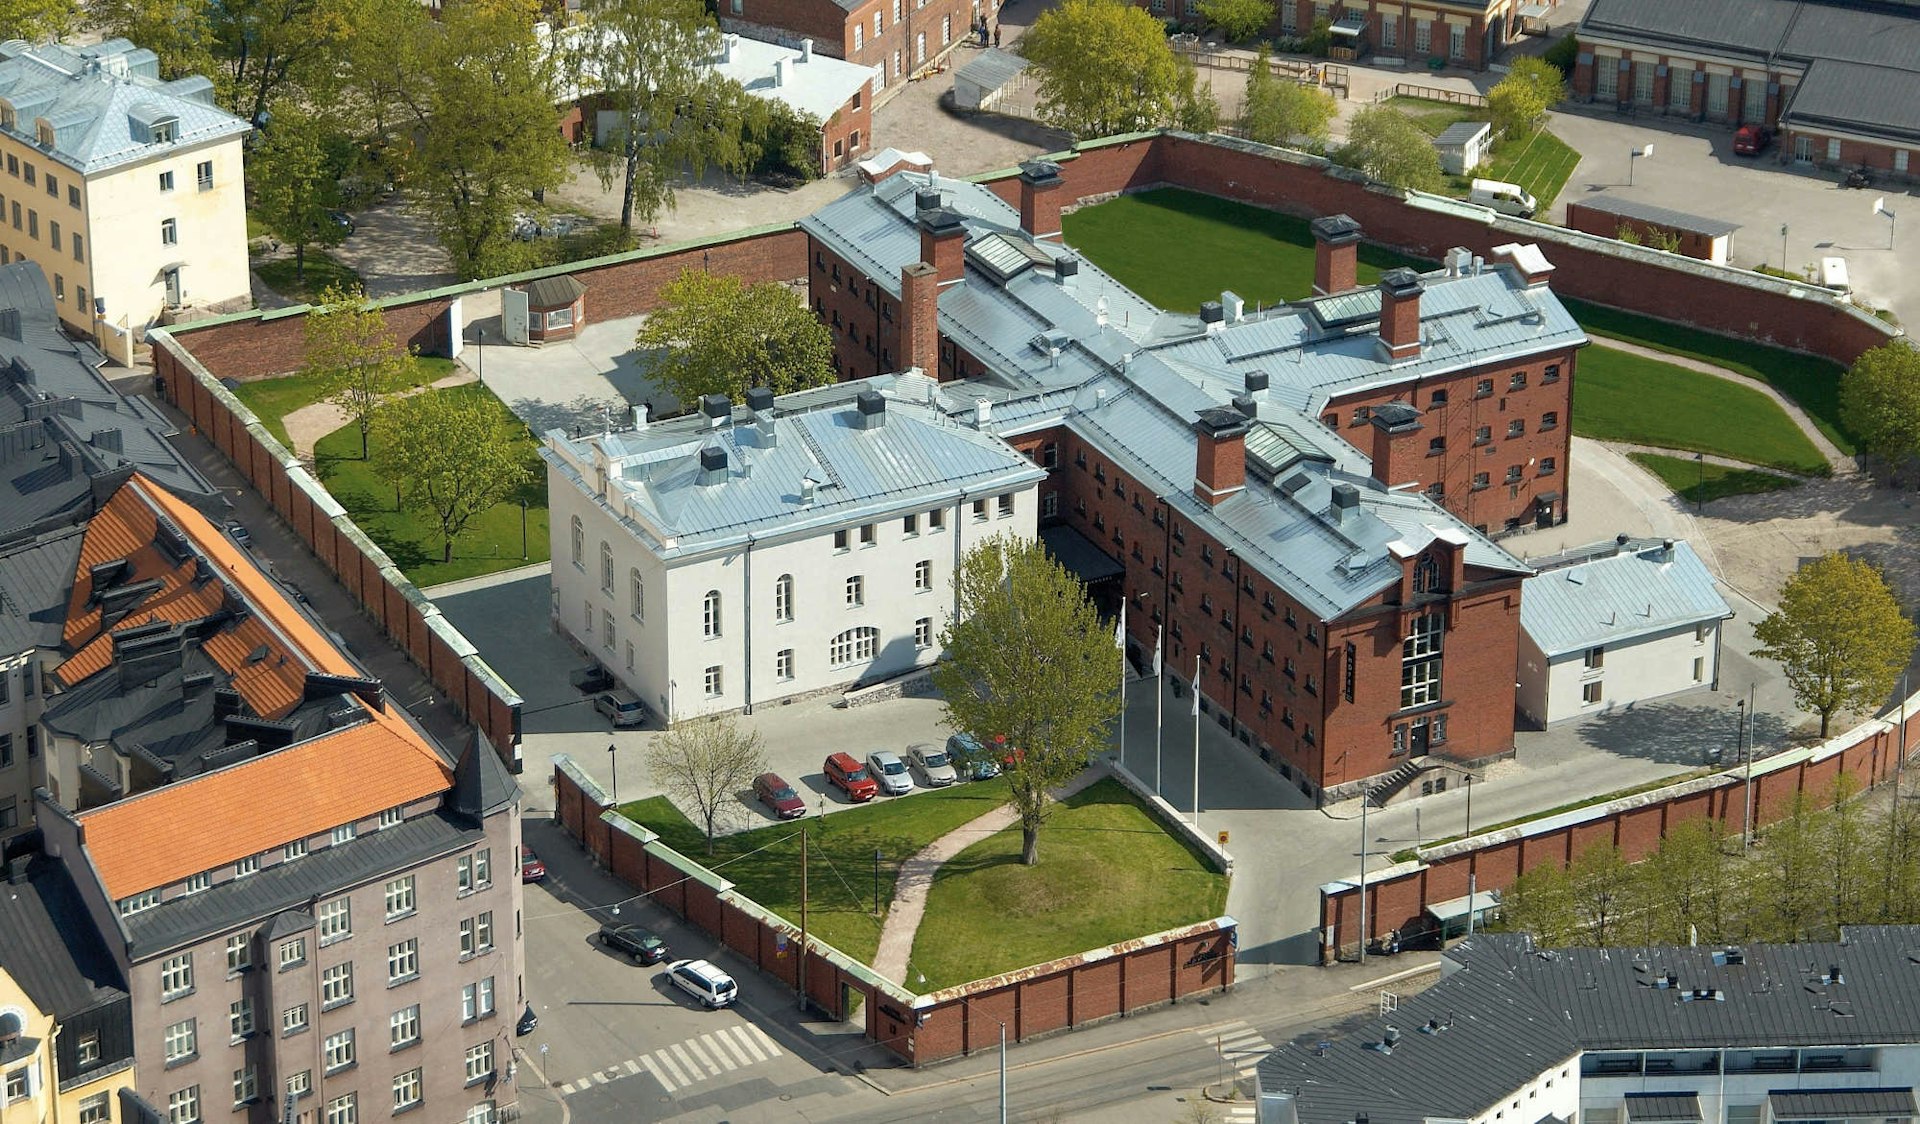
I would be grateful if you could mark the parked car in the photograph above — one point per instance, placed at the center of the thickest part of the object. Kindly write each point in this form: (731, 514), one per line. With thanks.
(622, 708)
(1506, 198)
(531, 868)
(592, 678)
(971, 761)
(237, 531)
(932, 762)
(779, 796)
(642, 946)
(705, 982)
(1751, 140)
(342, 222)
(890, 771)
(850, 777)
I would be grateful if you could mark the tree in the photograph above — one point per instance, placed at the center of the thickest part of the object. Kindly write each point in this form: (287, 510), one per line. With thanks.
(1880, 401)
(180, 32)
(296, 187)
(268, 47)
(704, 763)
(453, 454)
(1238, 20)
(1195, 109)
(1602, 887)
(354, 355)
(1386, 145)
(1787, 899)
(1839, 636)
(1027, 657)
(648, 61)
(1519, 102)
(1541, 902)
(1848, 852)
(37, 20)
(1685, 885)
(1104, 67)
(1279, 111)
(718, 335)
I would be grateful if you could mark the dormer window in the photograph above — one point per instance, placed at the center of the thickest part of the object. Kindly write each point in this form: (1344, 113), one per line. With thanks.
(43, 132)
(7, 117)
(164, 131)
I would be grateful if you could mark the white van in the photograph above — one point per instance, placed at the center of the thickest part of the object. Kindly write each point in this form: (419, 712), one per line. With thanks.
(1833, 275)
(1507, 198)
(704, 981)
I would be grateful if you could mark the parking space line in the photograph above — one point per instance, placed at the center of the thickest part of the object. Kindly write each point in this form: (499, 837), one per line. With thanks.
(713, 1047)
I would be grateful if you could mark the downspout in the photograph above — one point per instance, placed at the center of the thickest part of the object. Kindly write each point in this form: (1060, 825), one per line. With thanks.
(746, 611)
(958, 507)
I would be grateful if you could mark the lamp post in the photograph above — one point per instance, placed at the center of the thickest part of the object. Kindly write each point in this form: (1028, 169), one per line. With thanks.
(1784, 267)
(1639, 152)
(523, 530)
(1742, 747)
(1365, 799)
(480, 346)
(613, 756)
(1700, 483)
(876, 882)
(1880, 208)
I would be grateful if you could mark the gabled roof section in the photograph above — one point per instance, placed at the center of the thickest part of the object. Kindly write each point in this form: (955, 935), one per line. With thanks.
(106, 104)
(36, 578)
(53, 950)
(1616, 594)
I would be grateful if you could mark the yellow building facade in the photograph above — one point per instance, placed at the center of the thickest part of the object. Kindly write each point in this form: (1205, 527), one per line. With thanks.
(30, 1081)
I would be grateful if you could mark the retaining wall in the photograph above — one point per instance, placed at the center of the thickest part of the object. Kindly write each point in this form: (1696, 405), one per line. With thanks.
(1171, 819)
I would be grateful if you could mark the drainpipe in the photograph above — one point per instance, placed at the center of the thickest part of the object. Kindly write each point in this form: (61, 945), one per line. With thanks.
(958, 507)
(746, 612)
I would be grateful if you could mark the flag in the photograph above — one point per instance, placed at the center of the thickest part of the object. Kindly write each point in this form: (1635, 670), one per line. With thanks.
(1120, 629)
(1196, 686)
(1156, 652)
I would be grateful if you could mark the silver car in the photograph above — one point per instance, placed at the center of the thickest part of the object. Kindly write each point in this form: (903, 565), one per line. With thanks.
(932, 762)
(622, 708)
(891, 772)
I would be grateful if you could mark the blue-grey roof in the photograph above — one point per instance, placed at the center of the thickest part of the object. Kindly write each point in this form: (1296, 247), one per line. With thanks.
(917, 456)
(102, 102)
(1639, 590)
(1460, 133)
(52, 949)
(1658, 216)
(992, 69)
(1855, 96)
(36, 580)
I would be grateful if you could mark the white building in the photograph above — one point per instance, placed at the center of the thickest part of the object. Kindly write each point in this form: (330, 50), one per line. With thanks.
(1617, 624)
(736, 557)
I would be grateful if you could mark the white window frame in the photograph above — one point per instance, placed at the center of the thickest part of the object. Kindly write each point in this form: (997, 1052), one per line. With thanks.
(403, 961)
(403, 1027)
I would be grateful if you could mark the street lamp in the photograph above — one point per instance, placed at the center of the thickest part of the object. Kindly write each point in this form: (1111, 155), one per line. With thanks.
(876, 881)
(614, 757)
(1700, 482)
(1880, 208)
(1743, 747)
(1640, 152)
(480, 346)
(1784, 267)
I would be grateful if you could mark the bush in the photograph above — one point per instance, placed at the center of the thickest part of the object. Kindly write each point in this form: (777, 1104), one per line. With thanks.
(1563, 54)
(1319, 41)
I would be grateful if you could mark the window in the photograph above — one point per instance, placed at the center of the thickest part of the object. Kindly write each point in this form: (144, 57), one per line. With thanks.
(17, 1087)
(1006, 503)
(783, 598)
(294, 850)
(169, 232)
(711, 681)
(980, 511)
(33, 224)
(606, 629)
(392, 817)
(946, 30)
(239, 953)
(403, 1027)
(240, 1019)
(1699, 669)
(476, 935)
(840, 539)
(1483, 435)
(400, 897)
(1483, 388)
(629, 655)
(853, 646)
(1436, 446)
(53, 239)
(710, 615)
(166, 181)
(1420, 661)
(1547, 466)
(1590, 693)
(183, 1106)
(783, 664)
(94, 1110)
(1516, 428)
(1517, 381)
(203, 175)
(86, 1051)
(182, 1040)
(476, 1000)
(868, 534)
(247, 866)
(1479, 481)
(1550, 419)
(923, 575)
(293, 953)
(293, 1020)
(637, 596)
(197, 883)
(476, 870)
(859, 36)
(299, 1084)
(343, 834)
(344, 1109)
(406, 1090)
(856, 592)
(336, 985)
(73, 196)
(578, 535)
(176, 976)
(480, 1061)
(339, 1051)
(937, 519)
(403, 961)
(1594, 658)
(923, 633)
(606, 568)
(910, 525)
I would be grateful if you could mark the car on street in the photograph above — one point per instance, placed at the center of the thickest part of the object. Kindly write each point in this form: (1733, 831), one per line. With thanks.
(622, 708)
(890, 771)
(642, 946)
(592, 678)
(970, 760)
(531, 868)
(850, 777)
(237, 531)
(1751, 140)
(932, 762)
(704, 981)
(779, 796)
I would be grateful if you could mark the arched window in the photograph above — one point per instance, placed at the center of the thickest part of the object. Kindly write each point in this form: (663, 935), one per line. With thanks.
(1426, 575)
(606, 567)
(710, 614)
(855, 645)
(637, 588)
(783, 598)
(579, 544)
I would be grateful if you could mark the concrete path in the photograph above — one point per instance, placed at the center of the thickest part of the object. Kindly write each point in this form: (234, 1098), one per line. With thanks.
(1631, 447)
(916, 877)
(307, 425)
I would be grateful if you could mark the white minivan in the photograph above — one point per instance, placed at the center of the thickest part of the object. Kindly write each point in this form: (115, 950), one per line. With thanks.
(1833, 275)
(704, 981)
(1507, 198)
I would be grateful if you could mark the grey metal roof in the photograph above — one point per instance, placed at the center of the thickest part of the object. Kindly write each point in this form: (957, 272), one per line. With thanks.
(36, 579)
(99, 98)
(991, 69)
(52, 948)
(1840, 1104)
(1638, 591)
(1659, 216)
(1725, 28)
(1854, 96)
(554, 292)
(1460, 133)
(1663, 1108)
(1079, 554)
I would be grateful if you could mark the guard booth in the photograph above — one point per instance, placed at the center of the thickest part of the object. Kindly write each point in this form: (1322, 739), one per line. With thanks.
(552, 308)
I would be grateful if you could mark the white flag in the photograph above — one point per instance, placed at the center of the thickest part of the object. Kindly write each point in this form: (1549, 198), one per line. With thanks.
(1120, 629)
(1196, 686)
(1156, 652)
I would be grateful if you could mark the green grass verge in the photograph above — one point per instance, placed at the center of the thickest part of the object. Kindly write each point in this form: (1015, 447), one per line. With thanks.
(271, 400)
(492, 541)
(765, 863)
(1435, 117)
(1540, 163)
(1108, 871)
(1703, 483)
(1624, 397)
(1178, 248)
(1811, 382)
(322, 270)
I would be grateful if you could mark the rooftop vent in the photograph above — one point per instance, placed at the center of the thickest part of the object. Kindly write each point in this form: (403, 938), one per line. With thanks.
(1213, 315)
(1703, 995)
(1066, 268)
(808, 486)
(869, 410)
(1346, 501)
(716, 408)
(1291, 485)
(926, 199)
(713, 465)
(1246, 405)
(1257, 381)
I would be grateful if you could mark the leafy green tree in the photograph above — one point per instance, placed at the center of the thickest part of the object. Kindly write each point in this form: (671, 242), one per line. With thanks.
(1787, 898)
(1542, 902)
(1028, 657)
(453, 454)
(35, 20)
(1104, 67)
(1386, 145)
(1838, 635)
(703, 764)
(1280, 111)
(1603, 887)
(1519, 102)
(1880, 401)
(1562, 55)
(295, 185)
(180, 32)
(1896, 885)
(1849, 851)
(354, 355)
(268, 47)
(1238, 20)
(1195, 109)
(718, 335)
(1685, 886)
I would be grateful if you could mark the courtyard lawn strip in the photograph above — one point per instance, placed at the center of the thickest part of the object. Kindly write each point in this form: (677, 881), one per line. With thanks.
(1618, 396)
(1108, 872)
(491, 542)
(322, 270)
(840, 855)
(1539, 162)
(272, 399)
(1703, 483)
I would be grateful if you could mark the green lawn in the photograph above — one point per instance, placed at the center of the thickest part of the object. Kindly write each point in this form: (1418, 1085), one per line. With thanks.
(273, 399)
(1703, 483)
(1539, 163)
(1108, 871)
(1812, 382)
(322, 270)
(492, 541)
(839, 855)
(1177, 248)
(1623, 397)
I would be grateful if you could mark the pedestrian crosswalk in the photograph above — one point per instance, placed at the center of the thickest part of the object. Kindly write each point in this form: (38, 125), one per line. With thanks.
(1241, 1047)
(689, 1062)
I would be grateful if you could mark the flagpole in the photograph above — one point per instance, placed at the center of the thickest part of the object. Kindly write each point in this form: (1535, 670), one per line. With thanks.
(1196, 741)
(1159, 701)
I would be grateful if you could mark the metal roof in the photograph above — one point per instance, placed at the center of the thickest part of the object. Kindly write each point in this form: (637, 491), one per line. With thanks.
(1658, 216)
(991, 69)
(1855, 96)
(821, 85)
(36, 580)
(100, 99)
(1663, 1108)
(1638, 591)
(1461, 133)
(1840, 1104)
(53, 950)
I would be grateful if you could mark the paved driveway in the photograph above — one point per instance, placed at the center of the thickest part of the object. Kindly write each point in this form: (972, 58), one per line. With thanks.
(571, 383)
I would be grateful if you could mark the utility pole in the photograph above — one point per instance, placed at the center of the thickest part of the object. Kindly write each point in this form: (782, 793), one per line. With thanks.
(1746, 751)
(1003, 1073)
(801, 975)
(1473, 870)
(1365, 799)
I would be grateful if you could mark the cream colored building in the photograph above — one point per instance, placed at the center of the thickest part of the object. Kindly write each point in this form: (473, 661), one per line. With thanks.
(128, 191)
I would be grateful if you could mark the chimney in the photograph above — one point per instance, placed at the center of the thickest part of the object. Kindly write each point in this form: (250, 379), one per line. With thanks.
(640, 417)
(807, 487)
(943, 243)
(806, 50)
(1393, 424)
(869, 410)
(713, 465)
(17, 869)
(1257, 381)
(727, 43)
(716, 408)
(760, 408)
(1457, 259)
(1400, 291)
(1235, 306)
(1245, 404)
(779, 73)
(920, 318)
(1040, 185)
(982, 413)
(1336, 254)
(1346, 503)
(1220, 461)
(1065, 270)
(107, 440)
(1528, 261)
(1212, 316)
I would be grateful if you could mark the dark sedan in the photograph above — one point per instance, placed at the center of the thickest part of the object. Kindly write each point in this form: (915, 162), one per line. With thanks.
(642, 946)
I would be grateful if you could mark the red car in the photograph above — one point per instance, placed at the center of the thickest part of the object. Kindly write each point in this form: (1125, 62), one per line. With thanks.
(850, 777)
(1751, 140)
(531, 868)
(779, 796)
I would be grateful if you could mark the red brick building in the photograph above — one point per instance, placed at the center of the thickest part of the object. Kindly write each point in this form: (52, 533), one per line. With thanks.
(1267, 488)
(1462, 33)
(901, 37)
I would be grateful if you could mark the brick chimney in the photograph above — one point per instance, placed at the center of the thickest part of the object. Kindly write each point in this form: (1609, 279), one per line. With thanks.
(943, 240)
(1040, 185)
(1400, 291)
(1336, 254)
(1396, 449)
(1220, 462)
(1526, 260)
(920, 318)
